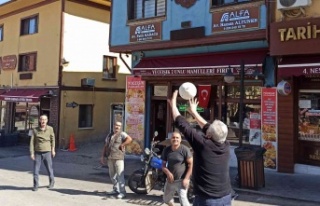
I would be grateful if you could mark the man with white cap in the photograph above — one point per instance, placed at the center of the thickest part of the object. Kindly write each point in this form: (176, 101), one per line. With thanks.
(211, 156)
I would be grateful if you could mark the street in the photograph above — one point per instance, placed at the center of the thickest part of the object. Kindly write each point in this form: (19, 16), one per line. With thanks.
(80, 180)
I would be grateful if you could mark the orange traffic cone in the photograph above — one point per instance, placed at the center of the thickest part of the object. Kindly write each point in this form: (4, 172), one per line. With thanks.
(72, 146)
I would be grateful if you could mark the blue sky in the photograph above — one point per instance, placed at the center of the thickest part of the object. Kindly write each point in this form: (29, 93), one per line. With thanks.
(4, 1)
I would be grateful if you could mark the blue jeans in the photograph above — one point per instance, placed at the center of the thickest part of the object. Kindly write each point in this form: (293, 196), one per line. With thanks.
(47, 160)
(204, 201)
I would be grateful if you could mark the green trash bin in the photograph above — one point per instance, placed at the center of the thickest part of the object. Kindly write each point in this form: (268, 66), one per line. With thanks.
(250, 166)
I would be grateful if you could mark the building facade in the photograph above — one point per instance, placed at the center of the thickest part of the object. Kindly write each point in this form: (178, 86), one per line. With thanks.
(173, 42)
(294, 34)
(55, 60)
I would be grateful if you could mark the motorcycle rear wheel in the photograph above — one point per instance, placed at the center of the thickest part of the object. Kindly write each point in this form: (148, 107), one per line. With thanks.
(136, 182)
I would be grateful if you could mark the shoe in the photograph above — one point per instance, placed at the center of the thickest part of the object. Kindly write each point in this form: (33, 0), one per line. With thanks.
(113, 192)
(35, 188)
(121, 196)
(51, 185)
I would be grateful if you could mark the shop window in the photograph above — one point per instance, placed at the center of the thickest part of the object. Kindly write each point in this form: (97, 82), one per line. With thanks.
(1, 32)
(2, 114)
(230, 108)
(141, 9)
(29, 25)
(27, 62)
(309, 115)
(233, 91)
(85, 115)
(109, 67)
(26, 116)
(227, 2)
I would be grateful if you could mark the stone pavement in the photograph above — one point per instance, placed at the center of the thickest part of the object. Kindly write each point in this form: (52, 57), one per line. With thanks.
(294, 186)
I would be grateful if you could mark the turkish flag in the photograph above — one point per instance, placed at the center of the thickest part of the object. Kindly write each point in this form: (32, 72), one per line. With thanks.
(204, 92)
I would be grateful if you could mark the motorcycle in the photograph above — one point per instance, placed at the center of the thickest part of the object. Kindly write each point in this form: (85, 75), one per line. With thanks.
(151, 175)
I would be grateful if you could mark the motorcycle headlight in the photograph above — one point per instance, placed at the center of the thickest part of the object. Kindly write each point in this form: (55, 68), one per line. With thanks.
(147, 151)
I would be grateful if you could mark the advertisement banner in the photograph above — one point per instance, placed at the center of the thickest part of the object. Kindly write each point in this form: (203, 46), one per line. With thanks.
(269, 126)
(135, 113)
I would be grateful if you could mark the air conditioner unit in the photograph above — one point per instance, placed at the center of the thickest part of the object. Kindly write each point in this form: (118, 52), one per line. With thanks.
(87, 82)
(292, 4)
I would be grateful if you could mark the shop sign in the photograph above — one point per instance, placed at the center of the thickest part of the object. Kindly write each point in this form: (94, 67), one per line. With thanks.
(145, 32)
(8, 62)
(18, 99)
(295, 37)
(269, 124)
(284, 88)
(220, 70)
(298, 71)
(72, 104)
(235, 19)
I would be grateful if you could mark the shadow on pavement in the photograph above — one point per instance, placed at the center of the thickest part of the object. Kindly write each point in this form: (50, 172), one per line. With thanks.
(79, 192)
(10, 187)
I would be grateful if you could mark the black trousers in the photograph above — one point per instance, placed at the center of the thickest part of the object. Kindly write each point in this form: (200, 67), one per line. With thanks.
(46, 157)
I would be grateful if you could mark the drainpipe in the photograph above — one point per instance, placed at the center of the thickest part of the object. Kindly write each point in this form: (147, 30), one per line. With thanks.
(63, 2)
(125, 63)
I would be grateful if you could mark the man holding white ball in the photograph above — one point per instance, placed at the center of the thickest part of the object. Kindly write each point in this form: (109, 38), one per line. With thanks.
(211, 155)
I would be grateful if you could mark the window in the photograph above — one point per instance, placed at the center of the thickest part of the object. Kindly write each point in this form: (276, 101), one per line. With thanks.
(26, 116)
(309, 115)
(109, 67)
(85, 115)
(27, 62)
(225, 2)
(1, 32)
(140, 9)
(29, 25)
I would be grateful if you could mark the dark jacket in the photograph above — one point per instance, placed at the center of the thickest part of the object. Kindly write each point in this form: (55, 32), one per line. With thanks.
(211, 162)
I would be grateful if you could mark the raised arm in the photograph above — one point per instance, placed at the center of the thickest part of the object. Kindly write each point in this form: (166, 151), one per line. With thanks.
(173, 104)
(193, 103)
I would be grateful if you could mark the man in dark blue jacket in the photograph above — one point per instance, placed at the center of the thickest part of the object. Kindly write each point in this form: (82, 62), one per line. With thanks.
(211, 156)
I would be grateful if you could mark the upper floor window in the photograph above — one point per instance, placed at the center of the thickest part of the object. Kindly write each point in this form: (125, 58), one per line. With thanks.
(29, 25)
(27, 62)
(1, 32)
(225, 2)
(109, 67)
(140, 9)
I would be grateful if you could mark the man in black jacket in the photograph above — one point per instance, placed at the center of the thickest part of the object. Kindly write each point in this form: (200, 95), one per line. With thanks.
(211, 156)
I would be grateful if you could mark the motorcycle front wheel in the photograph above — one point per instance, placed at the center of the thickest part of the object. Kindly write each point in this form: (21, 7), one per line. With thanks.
(136, 182)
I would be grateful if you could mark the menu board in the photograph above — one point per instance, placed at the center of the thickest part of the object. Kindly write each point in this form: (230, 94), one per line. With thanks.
(269, 126)
(135, 113)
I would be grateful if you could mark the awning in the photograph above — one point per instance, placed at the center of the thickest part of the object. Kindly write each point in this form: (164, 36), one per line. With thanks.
(201, 64)
(299, 65)
(23, 95)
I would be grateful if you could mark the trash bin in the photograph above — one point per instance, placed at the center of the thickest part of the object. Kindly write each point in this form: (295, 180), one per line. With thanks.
(2, 140)
(250, 166)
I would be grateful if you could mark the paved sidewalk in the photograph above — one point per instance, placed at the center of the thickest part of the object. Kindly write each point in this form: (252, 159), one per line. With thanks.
(293, 186)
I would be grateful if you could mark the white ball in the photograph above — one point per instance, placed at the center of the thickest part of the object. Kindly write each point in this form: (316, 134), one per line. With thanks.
(187, 90)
